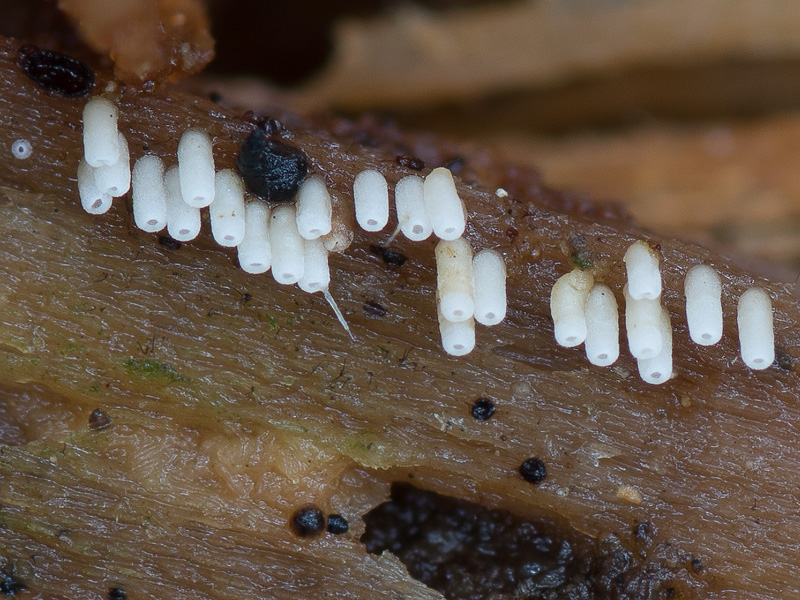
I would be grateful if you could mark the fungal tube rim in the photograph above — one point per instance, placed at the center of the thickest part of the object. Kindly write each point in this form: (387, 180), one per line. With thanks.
(196, 167)
(409, 202)
(115, 180)
(100, 133)
(642, 325)
(371, 200)
(183, 221)
(644, 275)
(226, 212)
(93, 200)
(255, 251)
(458, 338)
(489, 283)
(756, 328)
(288, 252)
(568, 307)
(445, 208)
(602, 326)
(314, 208)
(454, 279)
(703, 291)
(149, 194)
(658, 369)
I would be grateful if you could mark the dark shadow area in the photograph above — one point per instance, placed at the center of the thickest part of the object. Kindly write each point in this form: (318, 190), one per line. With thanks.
(469, 552)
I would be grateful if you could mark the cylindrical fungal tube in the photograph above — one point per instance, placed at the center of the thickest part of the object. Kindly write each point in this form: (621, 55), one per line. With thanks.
(644, 276)
(183, 221)
(371, 199)
(489, 282)
(317, 274)
(93, 200)
(458, 338)
(658, 369)
(313, 208)
(756, 333)
(454, 279)
(642, 324)
(703, 290)
(602, 326)
(196, 164)
(409, 201)
(255, 251)
(568, 307)
(288, 252)
(149, 194)
(226, 212)
(446, 211)
(115, 179)
(100, 134)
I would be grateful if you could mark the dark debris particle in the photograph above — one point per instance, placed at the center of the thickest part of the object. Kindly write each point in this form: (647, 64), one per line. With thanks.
(373, 309)
(271, 169)
(456, 165)
(117, 593)
(390, 259)
(512, 233)
(643, 533)
(10, 585)
(56, 72)
(482, 409)
(169, 243)
(697, 565)
(337, 524)
(308, 521)
(533, 471)
(215, 97)
(99, 419)
(410, 162)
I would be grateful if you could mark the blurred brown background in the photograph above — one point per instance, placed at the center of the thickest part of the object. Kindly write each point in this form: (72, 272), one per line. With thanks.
(687, 111)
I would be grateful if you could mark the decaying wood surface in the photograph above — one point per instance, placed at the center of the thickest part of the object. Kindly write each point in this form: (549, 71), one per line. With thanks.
(235, 400)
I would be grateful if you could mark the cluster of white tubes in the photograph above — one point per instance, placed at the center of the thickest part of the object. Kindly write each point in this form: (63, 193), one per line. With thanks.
(586, 312)
(286, 239)
(468, 289)
(424, 206)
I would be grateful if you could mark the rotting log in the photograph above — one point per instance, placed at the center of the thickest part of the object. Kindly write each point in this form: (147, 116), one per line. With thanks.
(234, 400)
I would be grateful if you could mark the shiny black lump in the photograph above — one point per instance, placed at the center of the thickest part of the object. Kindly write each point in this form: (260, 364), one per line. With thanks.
(270, 168)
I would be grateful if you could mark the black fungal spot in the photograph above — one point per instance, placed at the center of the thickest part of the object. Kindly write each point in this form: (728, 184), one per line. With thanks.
(10, 585)
(337, 525)
(308, 521)
(215, 97)
(390, 259)
(99, 419)
(169, 243)
(373, 309)
(533, 471)
(271, 169)
(56, 72)
(117, 593)
(410, 162)
(483, 409)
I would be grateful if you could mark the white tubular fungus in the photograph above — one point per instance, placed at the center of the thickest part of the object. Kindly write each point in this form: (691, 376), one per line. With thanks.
(489, 280)
(226, 212)
(602, 326)
(183, 221)
(196, 164)
(445, 210)
(288, 252)
(317, 274)
(454, 279)
(255, 251)
(100, 135)
(458, 338)
(642, 323)
(644, 277)
(703, 290)
(149, 194)
(313, 208)
(371, 198)
(93, 200)
(658, 369)
(115, 180)
(410, 205)
(21, 149)
(568, 307)
(756, 334)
